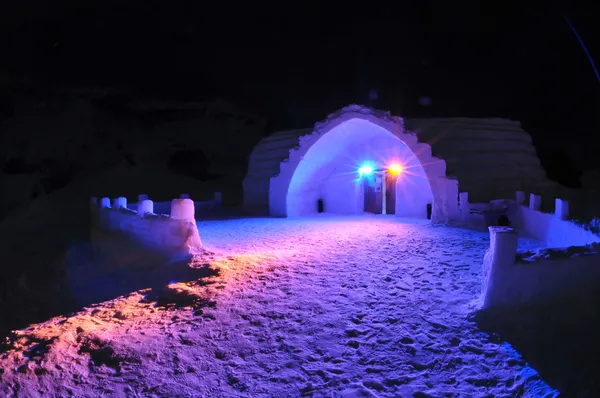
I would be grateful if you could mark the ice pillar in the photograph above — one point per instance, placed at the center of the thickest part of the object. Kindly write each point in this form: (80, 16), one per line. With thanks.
(497, 264)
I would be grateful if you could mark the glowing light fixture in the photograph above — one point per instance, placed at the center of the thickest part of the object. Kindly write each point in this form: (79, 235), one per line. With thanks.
(395, 169)
(365, 170)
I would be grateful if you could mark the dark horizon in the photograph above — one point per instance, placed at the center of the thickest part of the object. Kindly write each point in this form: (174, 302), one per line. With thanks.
(296, 65)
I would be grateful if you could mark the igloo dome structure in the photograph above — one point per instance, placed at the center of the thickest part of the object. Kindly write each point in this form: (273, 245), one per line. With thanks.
(415, 167)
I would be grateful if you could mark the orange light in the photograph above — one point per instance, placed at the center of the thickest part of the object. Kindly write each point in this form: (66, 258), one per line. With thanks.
(395, 169)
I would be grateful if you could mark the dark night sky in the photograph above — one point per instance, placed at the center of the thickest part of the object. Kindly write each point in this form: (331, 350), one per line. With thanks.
(295, 64)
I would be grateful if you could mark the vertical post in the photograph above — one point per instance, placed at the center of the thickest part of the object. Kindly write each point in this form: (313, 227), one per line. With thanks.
(182, 209)
(120, 202)
(383, 193)
(465, 207)
(145, 207)
(561, 209)
(535, 201)
(520, 197)
(104, 203)
(453, 199)
(496, 265)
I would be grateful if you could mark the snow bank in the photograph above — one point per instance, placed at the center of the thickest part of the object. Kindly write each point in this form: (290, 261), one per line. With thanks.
(529, 221)
(511, 278)
(175, 235)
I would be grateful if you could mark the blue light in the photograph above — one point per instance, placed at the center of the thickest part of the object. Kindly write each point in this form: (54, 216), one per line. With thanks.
(365, 170)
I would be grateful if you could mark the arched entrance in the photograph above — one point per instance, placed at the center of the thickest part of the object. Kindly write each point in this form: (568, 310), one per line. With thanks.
(329, 171)
(324, 167)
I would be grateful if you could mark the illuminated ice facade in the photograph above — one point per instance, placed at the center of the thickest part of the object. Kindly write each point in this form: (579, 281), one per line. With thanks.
(489, 158)
(329, 168)
(324, 166)
(290, 171)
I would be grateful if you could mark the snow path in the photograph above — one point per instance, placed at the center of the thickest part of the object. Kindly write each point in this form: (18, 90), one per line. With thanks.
(368, 306)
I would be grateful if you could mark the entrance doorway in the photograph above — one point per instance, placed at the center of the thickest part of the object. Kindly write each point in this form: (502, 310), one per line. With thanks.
(373, 194)
(390, 192)
(380, 193)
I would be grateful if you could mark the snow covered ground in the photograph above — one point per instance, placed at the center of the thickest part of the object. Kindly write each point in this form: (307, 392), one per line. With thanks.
(371, 306)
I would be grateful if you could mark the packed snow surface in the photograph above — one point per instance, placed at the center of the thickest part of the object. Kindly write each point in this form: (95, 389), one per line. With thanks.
(371, 306)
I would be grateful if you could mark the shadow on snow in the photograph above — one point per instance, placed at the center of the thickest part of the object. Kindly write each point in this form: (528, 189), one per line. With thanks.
(110, 266)
(559, 339)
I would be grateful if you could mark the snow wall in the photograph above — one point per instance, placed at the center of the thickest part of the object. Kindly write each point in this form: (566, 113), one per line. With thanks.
(553, 228)
(175, 235)
(528, 221)
(201, 208)
(518, 279)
